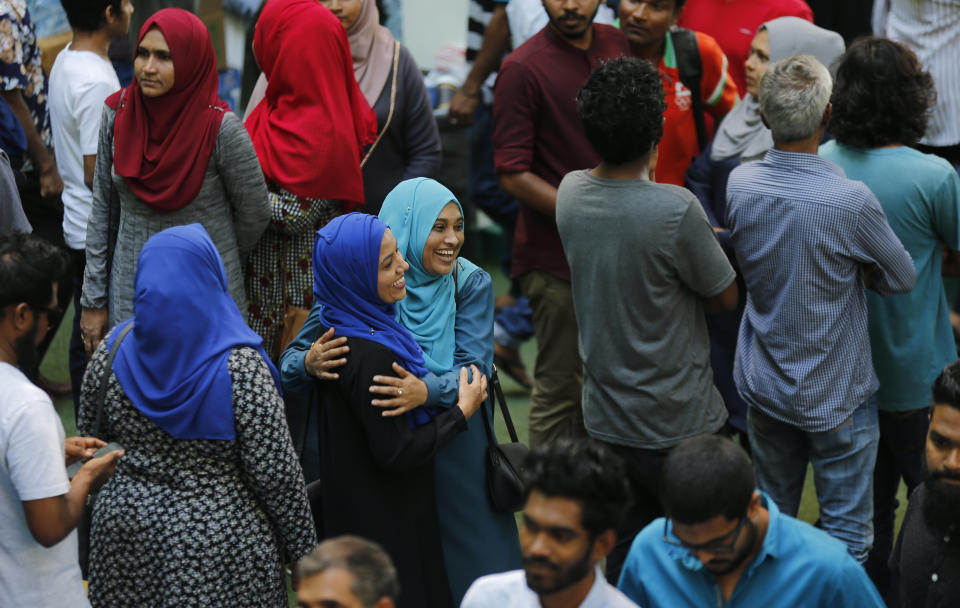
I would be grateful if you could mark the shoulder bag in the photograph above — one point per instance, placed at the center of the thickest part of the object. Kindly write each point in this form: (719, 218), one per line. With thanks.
(505, 461)
(83, 526)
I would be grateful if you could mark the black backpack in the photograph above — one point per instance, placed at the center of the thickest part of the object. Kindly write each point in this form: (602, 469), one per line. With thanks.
(691, 71)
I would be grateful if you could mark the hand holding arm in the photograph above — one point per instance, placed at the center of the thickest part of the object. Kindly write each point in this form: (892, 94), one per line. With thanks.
(405, 390)
(325, 354)
(472, 393)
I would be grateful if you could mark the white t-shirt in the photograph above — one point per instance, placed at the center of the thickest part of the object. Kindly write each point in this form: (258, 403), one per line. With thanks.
(80, 82)
(509, 590)
(31, 468)
(527, 17)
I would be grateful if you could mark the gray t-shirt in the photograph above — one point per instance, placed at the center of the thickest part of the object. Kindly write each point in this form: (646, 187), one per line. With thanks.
(642, 255)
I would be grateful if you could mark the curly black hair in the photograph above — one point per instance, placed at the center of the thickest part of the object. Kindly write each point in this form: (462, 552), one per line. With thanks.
(881, 95)
(621, 108)
(585, 471)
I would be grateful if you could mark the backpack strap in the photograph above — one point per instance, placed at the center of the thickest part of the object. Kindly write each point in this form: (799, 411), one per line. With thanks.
(690, 66)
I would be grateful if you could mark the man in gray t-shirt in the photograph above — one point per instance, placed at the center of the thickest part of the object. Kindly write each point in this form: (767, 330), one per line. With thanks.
(645, 266)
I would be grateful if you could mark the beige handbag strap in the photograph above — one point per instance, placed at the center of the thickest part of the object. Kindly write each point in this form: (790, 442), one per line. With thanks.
(393, 103)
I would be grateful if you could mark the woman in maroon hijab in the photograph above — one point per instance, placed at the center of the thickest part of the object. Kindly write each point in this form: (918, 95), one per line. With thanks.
(170, 153)
(310, 131)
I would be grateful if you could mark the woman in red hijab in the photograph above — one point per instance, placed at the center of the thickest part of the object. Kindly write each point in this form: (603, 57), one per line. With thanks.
(170, 153)
(309, 131)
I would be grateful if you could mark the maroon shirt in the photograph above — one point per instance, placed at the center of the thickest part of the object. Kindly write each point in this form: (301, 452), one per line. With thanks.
(536, 128)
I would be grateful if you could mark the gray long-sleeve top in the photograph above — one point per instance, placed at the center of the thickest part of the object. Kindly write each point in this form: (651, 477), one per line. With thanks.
(232, 206)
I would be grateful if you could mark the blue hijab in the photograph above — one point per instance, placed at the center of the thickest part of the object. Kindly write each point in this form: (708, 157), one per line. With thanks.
(346, 259)
(429, 311)
(173, 365)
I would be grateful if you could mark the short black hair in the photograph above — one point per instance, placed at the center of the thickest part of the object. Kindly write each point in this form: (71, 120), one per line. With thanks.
(881, 95)
(587, 472)
(677, 5)
(706, 476)
(29, 266)
(946, 388)
(89, 15)
(621, 108)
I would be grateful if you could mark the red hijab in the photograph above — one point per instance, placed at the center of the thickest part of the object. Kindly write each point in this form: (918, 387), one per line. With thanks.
(162, 145)
(311, 127)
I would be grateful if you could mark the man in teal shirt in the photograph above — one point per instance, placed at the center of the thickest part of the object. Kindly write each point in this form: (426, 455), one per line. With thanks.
(881, 102)
(724, 543)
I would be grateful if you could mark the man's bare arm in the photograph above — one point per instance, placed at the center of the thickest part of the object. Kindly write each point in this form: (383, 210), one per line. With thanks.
(496, 43)
(530, 190)
(43, 160)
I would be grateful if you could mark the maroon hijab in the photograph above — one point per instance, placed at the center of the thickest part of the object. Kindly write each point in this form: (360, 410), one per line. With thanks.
(162, 145)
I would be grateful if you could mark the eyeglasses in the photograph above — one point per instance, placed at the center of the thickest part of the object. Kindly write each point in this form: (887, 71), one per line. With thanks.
(715, 546)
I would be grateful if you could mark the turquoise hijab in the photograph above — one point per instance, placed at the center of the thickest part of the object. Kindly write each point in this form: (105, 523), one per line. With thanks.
(430, 308)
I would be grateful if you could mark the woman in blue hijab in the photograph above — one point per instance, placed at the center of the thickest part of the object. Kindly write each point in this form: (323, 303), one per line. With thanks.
(377, 470)
(210, 482)
(450, 314)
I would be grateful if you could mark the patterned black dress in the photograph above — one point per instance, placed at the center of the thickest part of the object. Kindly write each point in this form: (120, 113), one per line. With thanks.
(197, 522)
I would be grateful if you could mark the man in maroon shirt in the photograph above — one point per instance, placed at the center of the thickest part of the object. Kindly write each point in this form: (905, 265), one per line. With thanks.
(537, 139)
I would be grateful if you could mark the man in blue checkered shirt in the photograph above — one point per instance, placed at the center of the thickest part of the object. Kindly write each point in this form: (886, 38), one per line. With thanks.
(808, 242)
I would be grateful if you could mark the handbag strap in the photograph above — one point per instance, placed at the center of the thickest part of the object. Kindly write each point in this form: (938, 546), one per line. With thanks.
(393, 103)
(502, 401)
(105, 377)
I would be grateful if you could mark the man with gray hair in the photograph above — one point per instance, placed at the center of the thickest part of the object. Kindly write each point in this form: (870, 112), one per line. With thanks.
(347, 572)
(808, 242)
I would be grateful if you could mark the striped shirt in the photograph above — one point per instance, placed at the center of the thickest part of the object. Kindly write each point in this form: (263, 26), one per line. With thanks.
(478, 17)
(931, 28)
(801, 232)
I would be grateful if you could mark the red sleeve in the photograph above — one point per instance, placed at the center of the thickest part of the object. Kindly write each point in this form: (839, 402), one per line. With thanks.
(790, 8)
(516, 105)
(717, 87)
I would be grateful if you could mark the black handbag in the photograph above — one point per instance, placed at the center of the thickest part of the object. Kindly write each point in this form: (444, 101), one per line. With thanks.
(83, 526)
(504, 460)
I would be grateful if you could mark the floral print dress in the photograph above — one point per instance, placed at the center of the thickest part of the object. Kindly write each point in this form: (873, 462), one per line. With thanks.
(279, 270)
(20, 66)
(197, 522)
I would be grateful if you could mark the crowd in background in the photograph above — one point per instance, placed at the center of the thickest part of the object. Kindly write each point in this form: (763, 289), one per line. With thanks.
(732, 229)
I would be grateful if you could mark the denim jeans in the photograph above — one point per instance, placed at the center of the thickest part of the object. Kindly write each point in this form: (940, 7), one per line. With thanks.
(903, 438)
(843, 461)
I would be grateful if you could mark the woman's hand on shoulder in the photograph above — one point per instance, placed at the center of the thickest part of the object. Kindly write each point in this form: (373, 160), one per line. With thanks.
(326, 354)
(472, 393)
(405, 391)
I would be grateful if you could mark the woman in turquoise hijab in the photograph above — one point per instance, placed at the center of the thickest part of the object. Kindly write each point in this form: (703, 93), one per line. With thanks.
(449, 310)
(450, 314)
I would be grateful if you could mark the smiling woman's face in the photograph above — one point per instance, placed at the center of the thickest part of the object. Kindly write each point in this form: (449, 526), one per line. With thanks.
(445, 240)
(153, 65)
(391, 286)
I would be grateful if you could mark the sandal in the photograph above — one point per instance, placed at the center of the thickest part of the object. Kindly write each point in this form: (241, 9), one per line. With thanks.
(509, 362)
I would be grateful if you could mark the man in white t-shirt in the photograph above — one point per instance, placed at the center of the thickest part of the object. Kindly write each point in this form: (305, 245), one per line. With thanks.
(39, 506)
(80, 81)
(577, 497)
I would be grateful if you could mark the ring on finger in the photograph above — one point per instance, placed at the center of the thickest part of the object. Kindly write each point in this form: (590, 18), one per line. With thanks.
(399, 392)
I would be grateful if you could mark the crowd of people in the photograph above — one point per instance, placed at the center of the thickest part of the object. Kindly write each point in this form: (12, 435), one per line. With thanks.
(733, 244)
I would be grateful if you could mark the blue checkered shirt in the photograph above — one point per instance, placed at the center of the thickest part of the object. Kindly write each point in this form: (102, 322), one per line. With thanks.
(801, 232)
